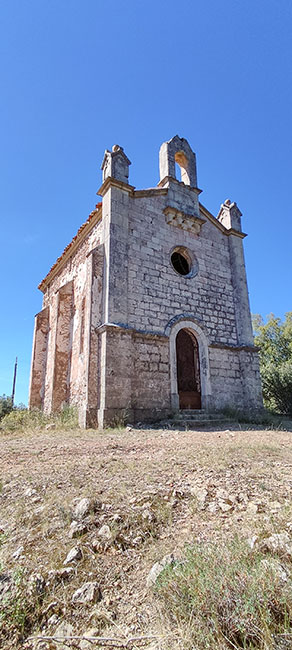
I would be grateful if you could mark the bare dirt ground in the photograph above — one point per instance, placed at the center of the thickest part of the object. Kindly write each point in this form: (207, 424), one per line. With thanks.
(154, 490)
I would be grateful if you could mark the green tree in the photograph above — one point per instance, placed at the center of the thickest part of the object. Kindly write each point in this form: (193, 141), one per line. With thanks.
(274, 340)
(6, 405)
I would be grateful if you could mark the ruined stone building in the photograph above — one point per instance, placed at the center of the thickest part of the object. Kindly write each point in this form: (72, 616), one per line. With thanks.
(147, 309)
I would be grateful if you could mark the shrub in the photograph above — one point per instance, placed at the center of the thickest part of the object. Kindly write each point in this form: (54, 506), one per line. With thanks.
(274, 340)
(6, 405)
(277, 386)
(22, 418)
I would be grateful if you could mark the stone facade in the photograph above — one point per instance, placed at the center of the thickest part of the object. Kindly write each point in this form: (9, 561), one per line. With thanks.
(146, 265)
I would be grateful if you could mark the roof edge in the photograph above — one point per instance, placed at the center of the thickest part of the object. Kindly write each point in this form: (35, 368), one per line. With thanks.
(219, 225)
(94, 217)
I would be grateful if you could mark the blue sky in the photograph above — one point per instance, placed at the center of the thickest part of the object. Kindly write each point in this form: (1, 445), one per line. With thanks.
(79, 76)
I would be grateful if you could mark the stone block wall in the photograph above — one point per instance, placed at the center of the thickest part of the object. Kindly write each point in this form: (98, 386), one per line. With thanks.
(157, 293)
(134, 378)
(151, 377)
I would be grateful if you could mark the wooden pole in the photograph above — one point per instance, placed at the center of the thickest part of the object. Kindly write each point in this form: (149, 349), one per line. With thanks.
(14, 382)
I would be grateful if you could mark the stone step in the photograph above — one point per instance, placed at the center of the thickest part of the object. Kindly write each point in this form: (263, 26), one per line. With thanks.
(193, 411)
(194, 424)
(198, 415)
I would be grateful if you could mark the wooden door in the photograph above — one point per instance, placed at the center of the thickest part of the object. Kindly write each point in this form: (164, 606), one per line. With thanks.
(188, 371)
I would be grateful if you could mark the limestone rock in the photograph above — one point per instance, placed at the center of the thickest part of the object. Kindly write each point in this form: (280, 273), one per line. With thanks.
(147, 515)
(88, 593)
(77, 528)
(53, 620)
(16, 555)
(55, 576)
(278, 543)
(74, 554)
(83, 508)
(224, 506)
(105, 532)
(95, 544)
(36, 583)
(157, 569)
(201, 495)
(30, 492)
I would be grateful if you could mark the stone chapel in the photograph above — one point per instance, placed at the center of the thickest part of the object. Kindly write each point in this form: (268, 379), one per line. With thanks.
(147, 310)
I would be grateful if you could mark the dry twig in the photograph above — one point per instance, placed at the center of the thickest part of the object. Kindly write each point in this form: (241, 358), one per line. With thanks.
(108, 642)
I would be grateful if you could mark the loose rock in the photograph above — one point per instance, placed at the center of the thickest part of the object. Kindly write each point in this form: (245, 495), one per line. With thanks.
(201, 495)
(16, 555)
(82, 508)
(278, 543)
(55, 576)
(36, 583)
(147, 515)
(88, 593)
(77, 529)
(105, 532)
(74, 554)
(53, 620)
(157, 569)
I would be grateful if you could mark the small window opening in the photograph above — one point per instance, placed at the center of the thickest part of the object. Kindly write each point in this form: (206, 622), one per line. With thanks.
(180, 263)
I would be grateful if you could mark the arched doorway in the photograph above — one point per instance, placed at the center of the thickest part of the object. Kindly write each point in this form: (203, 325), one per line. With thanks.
(188, 370)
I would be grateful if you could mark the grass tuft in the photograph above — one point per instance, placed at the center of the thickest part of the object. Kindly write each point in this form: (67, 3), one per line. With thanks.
(227, 597)
(20, 420)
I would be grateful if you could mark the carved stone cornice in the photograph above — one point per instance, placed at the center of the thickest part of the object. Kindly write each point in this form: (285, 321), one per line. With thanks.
(110, 181)
(190, 222)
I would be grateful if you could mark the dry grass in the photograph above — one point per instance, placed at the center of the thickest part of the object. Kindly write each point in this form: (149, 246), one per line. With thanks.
(145, 485)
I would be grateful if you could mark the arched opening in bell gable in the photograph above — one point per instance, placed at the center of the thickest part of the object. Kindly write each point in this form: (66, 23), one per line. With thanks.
(182, 167)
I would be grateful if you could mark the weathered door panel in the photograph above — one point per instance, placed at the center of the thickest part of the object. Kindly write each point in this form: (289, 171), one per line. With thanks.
(188, 371)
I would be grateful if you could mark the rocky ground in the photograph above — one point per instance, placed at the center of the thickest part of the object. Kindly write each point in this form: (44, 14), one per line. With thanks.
(85, 516)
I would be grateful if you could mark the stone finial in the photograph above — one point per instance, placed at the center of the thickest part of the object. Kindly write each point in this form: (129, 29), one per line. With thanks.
(115, 164)
(230, 215)
(178, 150)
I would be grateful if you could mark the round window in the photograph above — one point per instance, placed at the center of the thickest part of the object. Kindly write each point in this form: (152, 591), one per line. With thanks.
(180, 263)
(184, 262)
